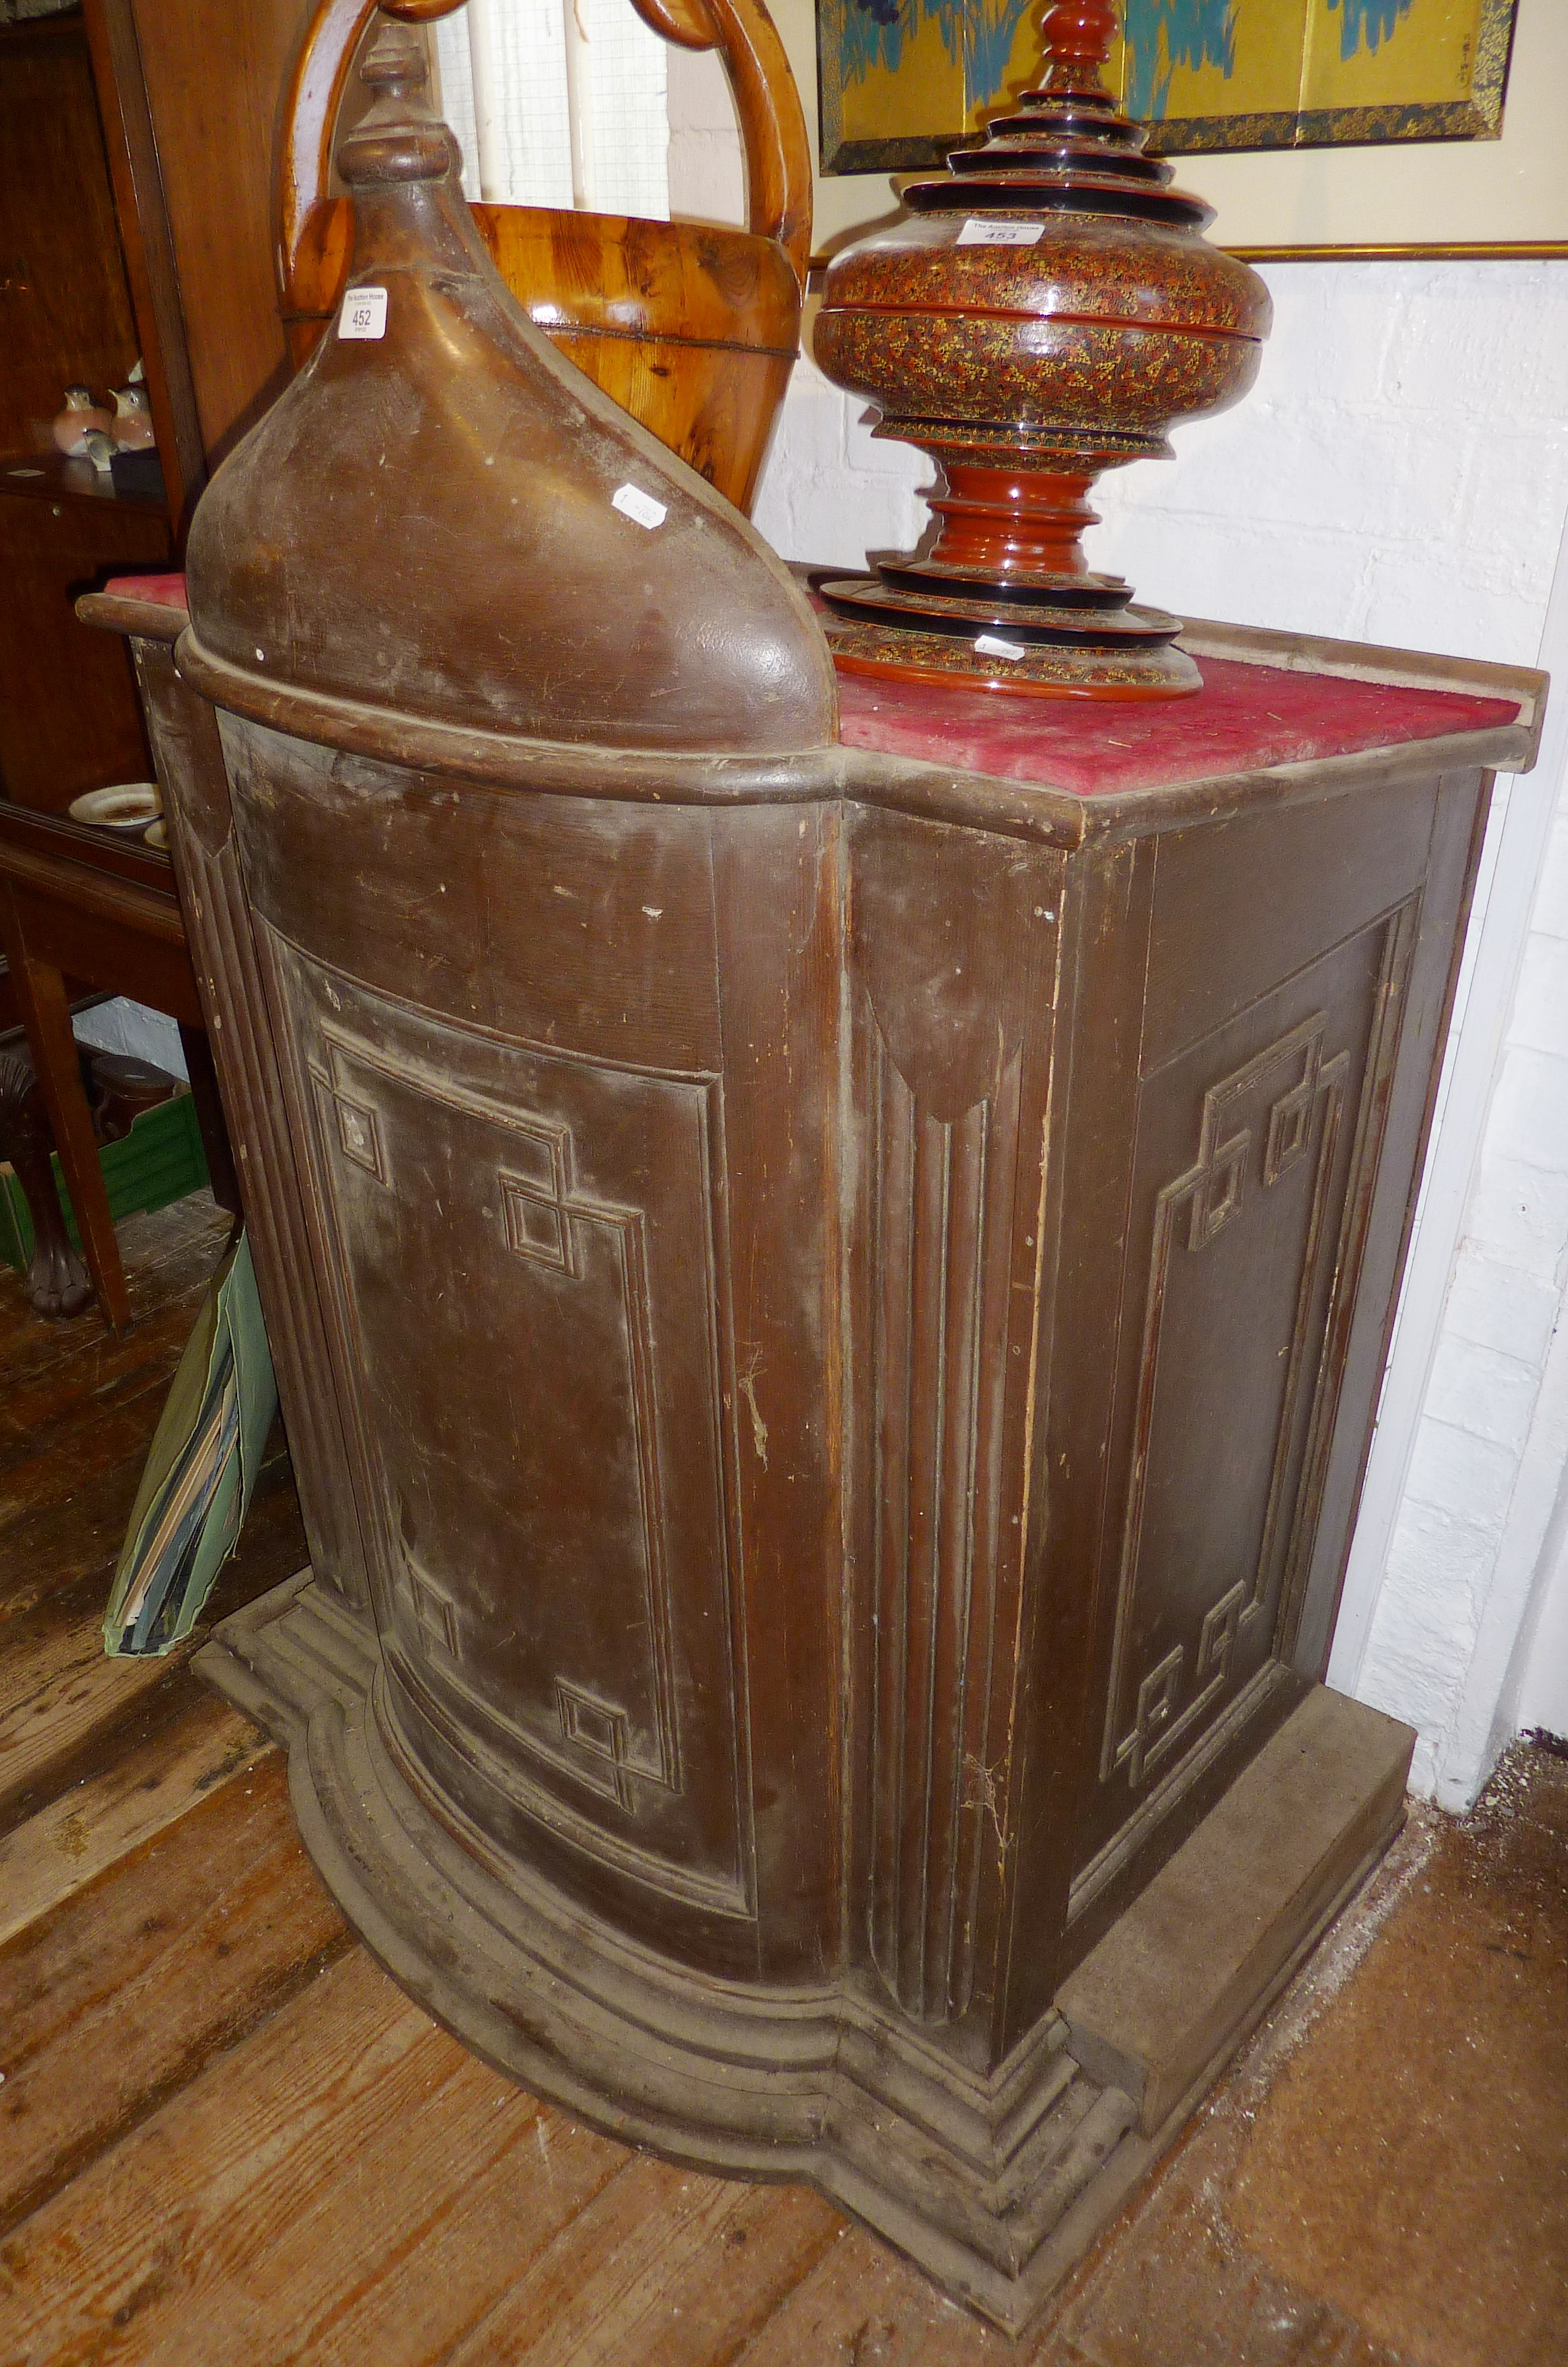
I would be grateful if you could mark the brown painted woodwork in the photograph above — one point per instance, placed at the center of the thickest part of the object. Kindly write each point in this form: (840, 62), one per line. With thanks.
(192, 91)
(1096, 319)
(68, 712)
(693, 327)
(148, 250)
(220, 2116)
(828, 1274)
(65, 307)
(647, 643)
(69, 720)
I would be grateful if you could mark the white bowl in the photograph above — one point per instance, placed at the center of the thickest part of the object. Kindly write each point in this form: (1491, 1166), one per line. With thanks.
(130, 806)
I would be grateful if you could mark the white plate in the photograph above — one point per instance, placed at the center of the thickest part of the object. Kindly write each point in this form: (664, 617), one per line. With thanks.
(157, 836)
(130, 805)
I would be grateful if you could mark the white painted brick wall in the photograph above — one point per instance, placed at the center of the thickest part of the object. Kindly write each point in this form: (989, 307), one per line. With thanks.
(1398, 474)
(1479, 1526)
(707, 180)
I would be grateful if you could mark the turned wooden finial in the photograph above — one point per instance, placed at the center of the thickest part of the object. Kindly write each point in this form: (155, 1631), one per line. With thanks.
(399, 139)
(1077, 38)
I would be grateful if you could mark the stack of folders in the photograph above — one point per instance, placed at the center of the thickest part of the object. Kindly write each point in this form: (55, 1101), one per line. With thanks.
(205, 1456)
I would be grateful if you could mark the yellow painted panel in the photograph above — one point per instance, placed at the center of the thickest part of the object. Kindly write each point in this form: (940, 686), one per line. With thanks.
(1212, 57)
(925, 94)
(1390, 52)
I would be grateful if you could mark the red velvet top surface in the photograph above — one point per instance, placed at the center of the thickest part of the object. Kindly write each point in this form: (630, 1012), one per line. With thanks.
(164, 591)
(1244, 719)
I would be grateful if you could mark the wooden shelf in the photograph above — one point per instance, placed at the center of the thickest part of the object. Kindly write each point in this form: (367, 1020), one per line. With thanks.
(49, 477)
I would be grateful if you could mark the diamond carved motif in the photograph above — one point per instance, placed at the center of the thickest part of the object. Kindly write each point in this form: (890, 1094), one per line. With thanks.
(598, 1731)
(359, 1132)
(1212, 1191)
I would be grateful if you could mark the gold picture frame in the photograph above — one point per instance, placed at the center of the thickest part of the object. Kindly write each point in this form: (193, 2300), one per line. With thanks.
(1207, 74)
(1502, 193)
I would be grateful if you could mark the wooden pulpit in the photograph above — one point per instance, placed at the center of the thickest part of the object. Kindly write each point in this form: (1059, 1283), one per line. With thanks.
(829, 1253)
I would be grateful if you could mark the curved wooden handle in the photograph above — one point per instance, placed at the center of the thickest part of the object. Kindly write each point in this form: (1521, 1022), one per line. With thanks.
(309, 120)
(772, 121)
(772, 124)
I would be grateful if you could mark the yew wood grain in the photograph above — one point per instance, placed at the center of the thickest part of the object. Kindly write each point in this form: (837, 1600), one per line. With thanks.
(691, 327)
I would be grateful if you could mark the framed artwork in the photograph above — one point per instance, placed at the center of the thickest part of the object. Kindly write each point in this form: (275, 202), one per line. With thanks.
(900, 80)
(1313, 127)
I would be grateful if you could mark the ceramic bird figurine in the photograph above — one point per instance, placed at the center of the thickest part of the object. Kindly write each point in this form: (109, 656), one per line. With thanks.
(82, 413)
(131, 425)
(100, 449)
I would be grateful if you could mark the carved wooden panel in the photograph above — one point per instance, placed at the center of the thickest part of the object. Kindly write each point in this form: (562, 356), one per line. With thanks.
(1255, 1155)
(941, 1203)
(219, 924)
(525, 1243)
(954, 944)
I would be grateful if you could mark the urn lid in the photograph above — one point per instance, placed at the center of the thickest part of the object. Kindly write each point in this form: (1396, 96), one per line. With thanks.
(1058, 211)
(441, 519)
(1046, 309)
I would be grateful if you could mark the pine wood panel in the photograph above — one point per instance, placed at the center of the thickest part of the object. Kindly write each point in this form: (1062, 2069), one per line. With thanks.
(112, 2000)
(345, 2184)
(863, 2304)
(87, 1827)
(57, 1688)
(663, 2266)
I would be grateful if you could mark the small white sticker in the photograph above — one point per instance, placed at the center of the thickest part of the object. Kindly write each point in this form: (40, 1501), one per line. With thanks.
(640, 507)
(989, 646)
(1001, 233)
(363, 313)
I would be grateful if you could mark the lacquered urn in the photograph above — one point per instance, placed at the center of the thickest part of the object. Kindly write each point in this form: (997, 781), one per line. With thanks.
(1047, 309)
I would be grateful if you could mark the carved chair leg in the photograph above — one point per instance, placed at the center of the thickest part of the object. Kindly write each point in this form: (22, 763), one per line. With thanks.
(46, 1015)
(57, 1280)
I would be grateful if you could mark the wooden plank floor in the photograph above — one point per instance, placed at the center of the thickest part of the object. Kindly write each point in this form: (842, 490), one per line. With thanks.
(227, 2140)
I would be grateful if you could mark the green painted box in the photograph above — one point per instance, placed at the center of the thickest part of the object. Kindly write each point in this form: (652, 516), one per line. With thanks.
(159, 1160)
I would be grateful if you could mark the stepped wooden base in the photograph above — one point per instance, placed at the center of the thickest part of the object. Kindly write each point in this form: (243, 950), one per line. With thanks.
(903, 653)
(994, 2186)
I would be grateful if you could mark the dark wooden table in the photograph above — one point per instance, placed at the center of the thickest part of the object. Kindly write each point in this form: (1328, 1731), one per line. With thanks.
(81, 904)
